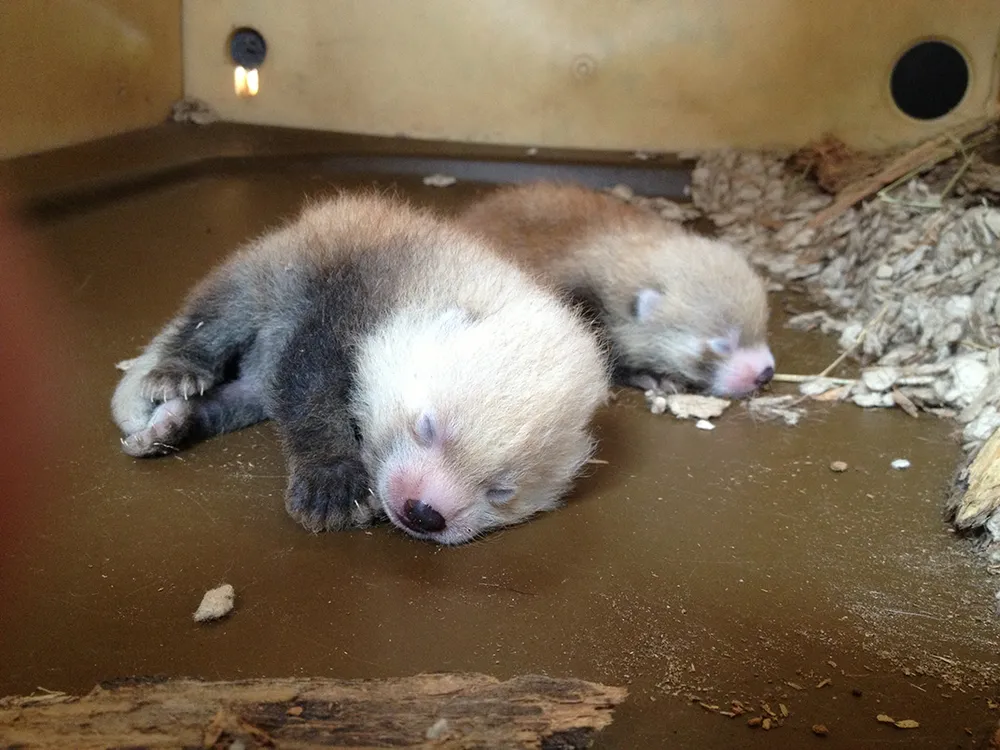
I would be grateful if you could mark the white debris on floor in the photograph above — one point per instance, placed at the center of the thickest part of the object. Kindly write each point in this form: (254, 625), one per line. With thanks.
(216, 603)
(900, 463)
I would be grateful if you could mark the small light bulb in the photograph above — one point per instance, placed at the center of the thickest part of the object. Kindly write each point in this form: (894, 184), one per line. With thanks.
(246, 82)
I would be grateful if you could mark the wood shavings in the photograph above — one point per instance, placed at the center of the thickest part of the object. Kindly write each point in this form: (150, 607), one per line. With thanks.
(192, 110)
(216, 604)
(908, 279)
(920, 158)
(775, 407)
(685, 405)
(439, 180)
(903, 724)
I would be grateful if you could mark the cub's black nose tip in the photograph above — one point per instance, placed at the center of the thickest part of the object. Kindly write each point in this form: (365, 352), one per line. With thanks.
(765, 376)
(422, 517)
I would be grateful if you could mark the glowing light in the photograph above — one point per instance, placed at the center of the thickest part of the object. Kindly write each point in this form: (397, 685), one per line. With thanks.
(246, 82)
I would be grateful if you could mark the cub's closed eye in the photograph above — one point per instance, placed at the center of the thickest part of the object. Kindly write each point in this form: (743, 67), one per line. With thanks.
(721, 346)
(500, 495)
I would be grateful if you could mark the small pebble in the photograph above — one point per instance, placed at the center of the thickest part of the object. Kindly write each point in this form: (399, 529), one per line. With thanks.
(838, 466)
(704, 424)
(900, 464)
(820, 730)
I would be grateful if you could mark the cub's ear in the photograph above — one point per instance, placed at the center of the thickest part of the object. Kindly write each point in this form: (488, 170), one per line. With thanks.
(644, 302)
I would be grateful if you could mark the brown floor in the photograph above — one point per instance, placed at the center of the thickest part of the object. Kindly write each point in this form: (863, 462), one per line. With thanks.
(723, 565)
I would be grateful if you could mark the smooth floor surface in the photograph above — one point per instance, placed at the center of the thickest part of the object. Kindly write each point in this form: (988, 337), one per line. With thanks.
(695, 567)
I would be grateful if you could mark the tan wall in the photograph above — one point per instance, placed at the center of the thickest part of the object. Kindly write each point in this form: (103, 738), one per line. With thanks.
(654, 74)
(74, 70)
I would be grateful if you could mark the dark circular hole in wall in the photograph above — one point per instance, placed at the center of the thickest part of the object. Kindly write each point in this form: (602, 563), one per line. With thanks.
(247, 48)
(929, 80)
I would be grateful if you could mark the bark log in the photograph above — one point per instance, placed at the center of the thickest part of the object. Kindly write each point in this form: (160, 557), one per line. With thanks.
(425, 711)
(976, 497)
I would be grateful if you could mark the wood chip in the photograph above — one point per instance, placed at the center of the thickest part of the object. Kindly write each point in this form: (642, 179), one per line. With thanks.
(838, 466)
(755, 721)
(885, 719)
(904, 403)
(783, 709)
(794, 685)
(766, 724)
(294, 711)
(823, 683)
(820, 730)
(708, 707)
(907, 724)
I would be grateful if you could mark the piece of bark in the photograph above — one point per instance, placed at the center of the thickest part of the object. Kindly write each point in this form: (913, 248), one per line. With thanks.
(925, 156)
(425, 711)
(977, 491)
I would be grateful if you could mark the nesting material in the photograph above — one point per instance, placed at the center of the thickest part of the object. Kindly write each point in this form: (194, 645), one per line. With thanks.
(194, 111)
(704, 424)
(688, 406)
(917, 273)
(906, 275)
(784, 408)
(216, 604)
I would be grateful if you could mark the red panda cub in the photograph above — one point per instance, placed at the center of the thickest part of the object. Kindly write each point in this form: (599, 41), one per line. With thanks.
(679, 311)
(410, 371)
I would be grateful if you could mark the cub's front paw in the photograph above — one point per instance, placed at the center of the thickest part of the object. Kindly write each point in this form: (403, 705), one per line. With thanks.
(330, 498)
(174, 379)
(169, 426)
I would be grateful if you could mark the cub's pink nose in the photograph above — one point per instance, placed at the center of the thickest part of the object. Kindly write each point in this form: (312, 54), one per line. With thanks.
(765, 376)
(420, 516)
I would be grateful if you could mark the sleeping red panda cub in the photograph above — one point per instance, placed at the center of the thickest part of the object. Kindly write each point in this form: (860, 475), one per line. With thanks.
(678, 310)
(409, 370)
